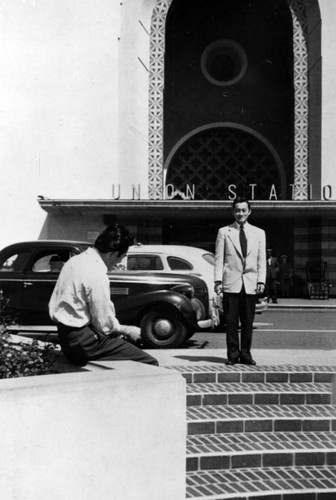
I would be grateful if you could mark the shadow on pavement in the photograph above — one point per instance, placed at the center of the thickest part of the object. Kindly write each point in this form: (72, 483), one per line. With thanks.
(212, 359)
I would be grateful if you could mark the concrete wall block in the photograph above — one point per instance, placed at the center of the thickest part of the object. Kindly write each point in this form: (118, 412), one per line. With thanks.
(116, 433)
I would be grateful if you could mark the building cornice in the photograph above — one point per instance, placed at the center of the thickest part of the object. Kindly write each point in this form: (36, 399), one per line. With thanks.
(271, 208)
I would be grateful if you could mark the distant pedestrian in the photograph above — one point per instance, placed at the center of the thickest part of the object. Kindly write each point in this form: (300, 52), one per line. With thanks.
(240, 274)
(87, 325)
(285, 276)
(272, 276)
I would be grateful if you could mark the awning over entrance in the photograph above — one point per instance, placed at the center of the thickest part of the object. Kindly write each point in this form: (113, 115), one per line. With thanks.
(189, 208)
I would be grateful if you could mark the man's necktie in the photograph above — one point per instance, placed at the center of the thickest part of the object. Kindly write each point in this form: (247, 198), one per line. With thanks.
(243, 241)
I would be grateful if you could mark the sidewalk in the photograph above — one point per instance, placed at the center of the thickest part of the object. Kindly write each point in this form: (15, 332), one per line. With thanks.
(263, 357)
(304, 303)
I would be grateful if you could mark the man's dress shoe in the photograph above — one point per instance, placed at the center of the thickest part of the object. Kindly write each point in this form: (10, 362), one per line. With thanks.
(232, 361)
(250, 362)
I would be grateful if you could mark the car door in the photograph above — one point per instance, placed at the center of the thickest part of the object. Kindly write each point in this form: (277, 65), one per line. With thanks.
(39, 280)
(12, 266)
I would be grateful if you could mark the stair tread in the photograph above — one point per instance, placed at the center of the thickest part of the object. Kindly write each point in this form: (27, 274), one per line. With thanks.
(246, 443)
(200, 413)
(273, 480)
(264, 387)
(220, 367)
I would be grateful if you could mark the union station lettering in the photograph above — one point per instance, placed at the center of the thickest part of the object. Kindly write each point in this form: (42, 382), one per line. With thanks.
(189, 192)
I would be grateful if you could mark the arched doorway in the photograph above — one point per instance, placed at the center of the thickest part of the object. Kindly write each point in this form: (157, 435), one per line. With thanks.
(229, 61)
(223, 160)
(306, 26)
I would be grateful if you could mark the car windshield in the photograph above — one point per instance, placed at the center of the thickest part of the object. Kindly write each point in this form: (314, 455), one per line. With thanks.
(209, 257)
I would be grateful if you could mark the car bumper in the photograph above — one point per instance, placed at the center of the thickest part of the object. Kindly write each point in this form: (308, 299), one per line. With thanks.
(205, 323)
(261, 305)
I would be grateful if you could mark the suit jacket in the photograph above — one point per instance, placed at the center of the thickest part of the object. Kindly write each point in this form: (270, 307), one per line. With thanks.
(273, 268)
(230, 266)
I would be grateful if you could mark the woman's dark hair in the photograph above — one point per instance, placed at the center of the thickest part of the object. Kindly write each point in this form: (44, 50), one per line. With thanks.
(114, 238)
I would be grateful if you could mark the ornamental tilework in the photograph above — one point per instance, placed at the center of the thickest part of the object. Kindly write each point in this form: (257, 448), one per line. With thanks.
(300, 31)
(156, 86)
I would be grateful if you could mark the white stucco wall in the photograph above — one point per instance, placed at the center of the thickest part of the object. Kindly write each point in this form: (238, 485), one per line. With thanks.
(328, 15)
(133, 94)
(114, 434)
(58, 106)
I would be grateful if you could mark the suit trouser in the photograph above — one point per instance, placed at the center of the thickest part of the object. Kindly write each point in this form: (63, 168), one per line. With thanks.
(81, 345)
(239, 306)
(271, 288)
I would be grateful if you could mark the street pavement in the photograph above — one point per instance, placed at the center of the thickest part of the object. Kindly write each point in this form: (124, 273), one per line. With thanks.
(315, 350)
(305, 356)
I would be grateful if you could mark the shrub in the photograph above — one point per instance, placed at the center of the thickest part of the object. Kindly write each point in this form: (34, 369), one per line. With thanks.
(22, 358)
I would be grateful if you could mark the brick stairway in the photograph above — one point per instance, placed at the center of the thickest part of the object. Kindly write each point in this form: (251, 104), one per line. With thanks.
(261, 432)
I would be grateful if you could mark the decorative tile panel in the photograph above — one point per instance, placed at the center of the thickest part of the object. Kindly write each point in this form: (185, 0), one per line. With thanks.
(300, 35)
(156, 86)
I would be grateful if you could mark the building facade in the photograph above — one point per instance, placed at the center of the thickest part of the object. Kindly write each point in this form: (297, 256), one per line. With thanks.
(157, 113)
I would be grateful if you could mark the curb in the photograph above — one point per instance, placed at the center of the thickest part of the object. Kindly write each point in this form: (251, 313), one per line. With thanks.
(302, 306)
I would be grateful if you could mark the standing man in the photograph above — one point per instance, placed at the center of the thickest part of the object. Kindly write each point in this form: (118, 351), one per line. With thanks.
(81, 306)
(240, 274)
(272, 276)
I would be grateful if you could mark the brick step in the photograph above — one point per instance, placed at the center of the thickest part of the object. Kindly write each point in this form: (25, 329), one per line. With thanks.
(260, 449)
(260, 418)
(261, 432)
(302, 483)
(242, 373)
(243, 393)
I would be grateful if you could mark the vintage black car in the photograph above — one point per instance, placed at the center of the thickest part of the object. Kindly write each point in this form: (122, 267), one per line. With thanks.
(168, 307)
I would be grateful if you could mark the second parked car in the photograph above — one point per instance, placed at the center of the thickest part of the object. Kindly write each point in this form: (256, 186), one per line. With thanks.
(178, 259)
(168, 307)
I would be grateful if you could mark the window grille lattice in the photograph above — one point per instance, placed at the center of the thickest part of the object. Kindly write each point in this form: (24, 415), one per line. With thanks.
(217, 158)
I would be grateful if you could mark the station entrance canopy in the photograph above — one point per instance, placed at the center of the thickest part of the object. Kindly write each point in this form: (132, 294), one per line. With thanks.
(188, 208)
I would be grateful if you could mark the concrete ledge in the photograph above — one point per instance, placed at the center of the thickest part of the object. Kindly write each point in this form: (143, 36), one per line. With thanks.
(114, 430)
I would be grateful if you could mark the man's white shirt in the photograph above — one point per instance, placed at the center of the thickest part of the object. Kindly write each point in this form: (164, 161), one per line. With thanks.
(82, 294)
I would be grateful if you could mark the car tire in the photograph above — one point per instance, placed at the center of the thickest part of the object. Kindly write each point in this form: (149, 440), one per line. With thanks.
(162, 329)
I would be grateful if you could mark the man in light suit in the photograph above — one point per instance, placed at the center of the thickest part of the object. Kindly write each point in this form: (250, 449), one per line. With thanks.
(240, 274)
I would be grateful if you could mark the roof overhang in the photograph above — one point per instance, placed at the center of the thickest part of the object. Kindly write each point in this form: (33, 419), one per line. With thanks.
(189, 208)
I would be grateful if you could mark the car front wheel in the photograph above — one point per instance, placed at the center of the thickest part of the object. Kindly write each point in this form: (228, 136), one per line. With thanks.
(162, 329)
